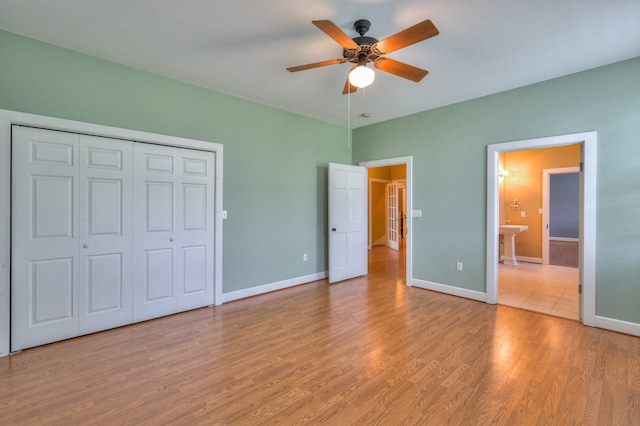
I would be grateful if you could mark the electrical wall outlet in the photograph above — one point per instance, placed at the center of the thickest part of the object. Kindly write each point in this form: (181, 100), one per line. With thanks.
(458, 266)
(305, 257)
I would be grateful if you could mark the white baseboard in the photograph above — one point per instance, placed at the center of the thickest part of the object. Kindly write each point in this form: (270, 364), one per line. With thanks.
(448, 289)
(267, 288)
(529, 259)
(568, 240)
(618, 325)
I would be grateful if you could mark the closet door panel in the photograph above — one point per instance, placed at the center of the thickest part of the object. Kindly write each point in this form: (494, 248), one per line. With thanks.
(155, 181)
(158, 284)
(44, 237)
(195, 227)
(106, 233)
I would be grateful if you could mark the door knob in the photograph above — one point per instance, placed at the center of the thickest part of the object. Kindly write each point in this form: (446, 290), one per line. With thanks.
(171, 239)
(333, 229)
(85, 246)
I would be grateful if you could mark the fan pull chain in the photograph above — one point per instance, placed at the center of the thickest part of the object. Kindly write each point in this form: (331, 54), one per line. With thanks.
(349, 120)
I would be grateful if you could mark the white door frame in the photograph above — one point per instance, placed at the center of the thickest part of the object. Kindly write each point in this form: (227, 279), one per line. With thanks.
(7, 118)
(545, 206)
(588, 140)
(408, 161)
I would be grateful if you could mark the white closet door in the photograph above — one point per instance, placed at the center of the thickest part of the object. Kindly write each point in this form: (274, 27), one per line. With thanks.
(105, 231)
(44, 240)
(155, 208)
(195, 232)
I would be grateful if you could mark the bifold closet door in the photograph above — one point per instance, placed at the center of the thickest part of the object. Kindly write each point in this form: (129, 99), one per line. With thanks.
(173, 222)
(44, 237)
(71, 235)
(106, 233)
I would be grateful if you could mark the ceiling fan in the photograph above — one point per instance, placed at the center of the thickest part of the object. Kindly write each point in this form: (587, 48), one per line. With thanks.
(362, 50)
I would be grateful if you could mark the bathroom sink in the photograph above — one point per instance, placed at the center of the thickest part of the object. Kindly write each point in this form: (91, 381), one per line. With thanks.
(512, 229)
(510, 232)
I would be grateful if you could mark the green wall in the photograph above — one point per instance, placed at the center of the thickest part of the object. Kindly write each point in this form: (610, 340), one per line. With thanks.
(449, 148)
(275, 162)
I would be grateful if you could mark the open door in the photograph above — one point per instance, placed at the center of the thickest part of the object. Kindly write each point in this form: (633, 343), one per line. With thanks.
(392, 215)
(347, 222)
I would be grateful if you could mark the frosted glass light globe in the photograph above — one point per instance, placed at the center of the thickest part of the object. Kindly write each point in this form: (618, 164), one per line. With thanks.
(361, 76)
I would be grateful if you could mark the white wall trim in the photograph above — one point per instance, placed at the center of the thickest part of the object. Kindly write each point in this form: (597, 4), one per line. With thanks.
(529, 259)
(268, 288)
(408, 161)
(567, 240)
(8, 118)
(618, 325)
(451, 290)
(545, 206)
(588, 140)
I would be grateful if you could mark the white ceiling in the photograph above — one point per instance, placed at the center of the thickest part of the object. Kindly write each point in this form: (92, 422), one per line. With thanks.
(242, 47)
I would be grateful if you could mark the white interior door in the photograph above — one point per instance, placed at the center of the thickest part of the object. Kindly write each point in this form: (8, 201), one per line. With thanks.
(174, 230)
(105, 233)
(44, 237)
(392, 215)
(347, 222)
(195, 229)
(155, 212)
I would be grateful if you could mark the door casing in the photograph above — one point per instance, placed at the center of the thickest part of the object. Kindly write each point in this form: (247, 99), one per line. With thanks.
(545, 206)
(408, 161)
(588, 140)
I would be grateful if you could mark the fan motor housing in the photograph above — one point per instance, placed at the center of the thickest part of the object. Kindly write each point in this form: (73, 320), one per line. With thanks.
(365, 40)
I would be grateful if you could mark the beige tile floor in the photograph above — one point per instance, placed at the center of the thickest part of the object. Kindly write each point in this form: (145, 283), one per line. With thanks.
(547, 289)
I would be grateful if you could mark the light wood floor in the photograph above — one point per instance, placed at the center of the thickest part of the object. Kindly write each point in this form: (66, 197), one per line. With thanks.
(548, 289)
(365, 351)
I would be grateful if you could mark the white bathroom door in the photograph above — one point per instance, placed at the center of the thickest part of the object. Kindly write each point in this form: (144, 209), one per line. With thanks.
(44, 237)
(154, 211)
(392, 215)
(195, 229)
(347, 222)
(105, 233)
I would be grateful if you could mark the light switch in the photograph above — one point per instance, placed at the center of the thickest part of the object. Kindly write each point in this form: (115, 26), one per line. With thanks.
(416, 213)
(224, 214)
(523, 214)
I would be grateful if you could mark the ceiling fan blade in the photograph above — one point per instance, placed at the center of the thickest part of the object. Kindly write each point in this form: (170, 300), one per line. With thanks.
(316, 65)
(400, 69)
(333, 31)
(348, 87)
(411, 35)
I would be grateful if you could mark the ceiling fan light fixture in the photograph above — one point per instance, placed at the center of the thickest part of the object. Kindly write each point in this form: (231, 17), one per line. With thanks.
(361, 76)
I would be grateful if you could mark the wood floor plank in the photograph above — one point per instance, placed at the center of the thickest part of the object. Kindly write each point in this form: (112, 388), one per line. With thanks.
(365, 351)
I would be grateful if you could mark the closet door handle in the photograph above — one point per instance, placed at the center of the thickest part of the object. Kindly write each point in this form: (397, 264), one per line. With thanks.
(85, 245)
(171, 239)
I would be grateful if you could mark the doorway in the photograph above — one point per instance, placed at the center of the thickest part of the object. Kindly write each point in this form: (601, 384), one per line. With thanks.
(586, 271)
(526, 279)
(404, 219)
